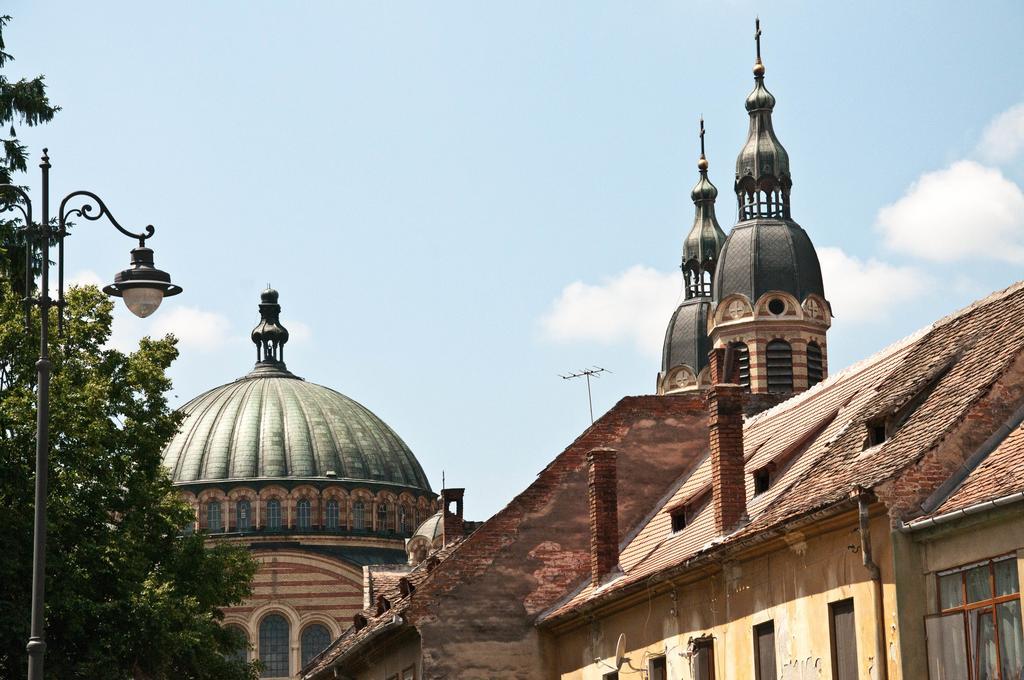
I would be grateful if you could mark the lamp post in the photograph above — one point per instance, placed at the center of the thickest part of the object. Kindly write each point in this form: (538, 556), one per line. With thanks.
(142, 286)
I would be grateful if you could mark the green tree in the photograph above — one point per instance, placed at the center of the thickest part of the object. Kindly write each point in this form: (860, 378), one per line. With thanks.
(22, 102)
(130, 594)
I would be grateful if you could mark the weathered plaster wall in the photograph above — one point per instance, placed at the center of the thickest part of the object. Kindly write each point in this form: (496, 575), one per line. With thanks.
(395, 660)
(791, 586)
(475, 615)
(920, 555)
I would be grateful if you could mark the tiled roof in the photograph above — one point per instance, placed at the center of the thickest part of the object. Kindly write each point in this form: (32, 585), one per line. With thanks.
(1000, 474)
(376, 623)
(925, 386)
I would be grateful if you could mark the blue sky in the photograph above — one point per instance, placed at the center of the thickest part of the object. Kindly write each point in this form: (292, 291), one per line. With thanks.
(460, 201)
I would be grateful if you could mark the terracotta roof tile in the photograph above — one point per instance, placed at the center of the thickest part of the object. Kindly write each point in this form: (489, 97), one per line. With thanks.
(925, 385)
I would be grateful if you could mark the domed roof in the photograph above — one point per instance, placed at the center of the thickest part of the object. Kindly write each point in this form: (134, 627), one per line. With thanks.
(432, 527)
(273, 425)
(686, 338)
(767, 254)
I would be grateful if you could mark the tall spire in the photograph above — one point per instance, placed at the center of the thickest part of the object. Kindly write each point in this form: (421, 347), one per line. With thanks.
(763, 181)
(269, 335)
(704, 242)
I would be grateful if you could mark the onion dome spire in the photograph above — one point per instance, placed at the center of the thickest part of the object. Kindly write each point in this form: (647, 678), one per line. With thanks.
(705, 240)
(269, 335)
(763, 181)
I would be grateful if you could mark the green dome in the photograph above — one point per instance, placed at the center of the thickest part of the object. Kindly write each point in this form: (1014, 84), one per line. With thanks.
(273, 425)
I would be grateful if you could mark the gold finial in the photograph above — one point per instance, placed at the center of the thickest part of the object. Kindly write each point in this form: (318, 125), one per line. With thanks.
(702, 164)
(758, 66)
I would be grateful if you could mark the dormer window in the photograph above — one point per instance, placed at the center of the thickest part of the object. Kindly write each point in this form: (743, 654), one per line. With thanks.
(876, 433)
(680, 518)
(762, 480)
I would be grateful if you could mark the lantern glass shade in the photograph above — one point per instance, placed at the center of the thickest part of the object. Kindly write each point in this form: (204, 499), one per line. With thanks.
(143, 301)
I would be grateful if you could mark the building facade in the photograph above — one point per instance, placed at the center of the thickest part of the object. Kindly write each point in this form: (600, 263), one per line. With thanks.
(778, 523)
(312, 482)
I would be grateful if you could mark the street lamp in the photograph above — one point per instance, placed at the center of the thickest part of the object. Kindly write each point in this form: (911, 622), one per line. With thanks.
(143, 287)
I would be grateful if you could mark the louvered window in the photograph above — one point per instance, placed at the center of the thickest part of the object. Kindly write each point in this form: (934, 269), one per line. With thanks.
(815, 365)
(742, 357)
(779, 365)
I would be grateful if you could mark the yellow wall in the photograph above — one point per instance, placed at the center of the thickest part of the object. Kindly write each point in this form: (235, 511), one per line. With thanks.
(921, 554)
(792, 586)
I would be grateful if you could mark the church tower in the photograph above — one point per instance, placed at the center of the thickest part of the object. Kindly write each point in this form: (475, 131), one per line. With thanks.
(767, 295)
(685, 352)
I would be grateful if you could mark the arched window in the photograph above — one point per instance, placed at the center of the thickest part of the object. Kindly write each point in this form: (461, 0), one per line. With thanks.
(815, 365)
(779, 366)
(274, 514)
(314, 640)
(241, 654)
(382, 517)
(244, 512)
(213, 523)
(358, 516)
(403, 519)
(741, 356)
(331, 520)
(274, 646)
(302, 508)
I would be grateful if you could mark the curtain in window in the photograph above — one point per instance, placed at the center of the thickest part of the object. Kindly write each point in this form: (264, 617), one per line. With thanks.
(1010, 642)
(983, 644)
(947, 648)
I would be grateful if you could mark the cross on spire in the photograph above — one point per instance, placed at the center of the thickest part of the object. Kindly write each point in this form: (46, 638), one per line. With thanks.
(702, 136)
(757, 37)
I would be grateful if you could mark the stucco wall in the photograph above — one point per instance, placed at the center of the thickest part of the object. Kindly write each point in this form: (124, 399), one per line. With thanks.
(921, 554)
(792, 586)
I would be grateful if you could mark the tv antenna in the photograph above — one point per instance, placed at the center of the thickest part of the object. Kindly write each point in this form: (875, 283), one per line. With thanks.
(588, 373)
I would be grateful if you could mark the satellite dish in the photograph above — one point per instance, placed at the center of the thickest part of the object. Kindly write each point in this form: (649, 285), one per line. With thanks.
(620, 651)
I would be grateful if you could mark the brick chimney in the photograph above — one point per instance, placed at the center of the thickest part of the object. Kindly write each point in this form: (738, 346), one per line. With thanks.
(725, 420)
(452, 527)
(602, 488)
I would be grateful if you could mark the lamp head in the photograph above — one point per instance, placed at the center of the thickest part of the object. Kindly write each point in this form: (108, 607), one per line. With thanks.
(143, 286)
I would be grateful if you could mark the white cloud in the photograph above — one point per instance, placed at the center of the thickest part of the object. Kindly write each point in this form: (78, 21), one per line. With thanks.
(966, 211)
(196, 329)
(632, 307)
(1003, 139)
(867, 290)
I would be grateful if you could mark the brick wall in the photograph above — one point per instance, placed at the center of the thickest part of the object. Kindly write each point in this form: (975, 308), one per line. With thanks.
(602, 493)
(475, 615)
